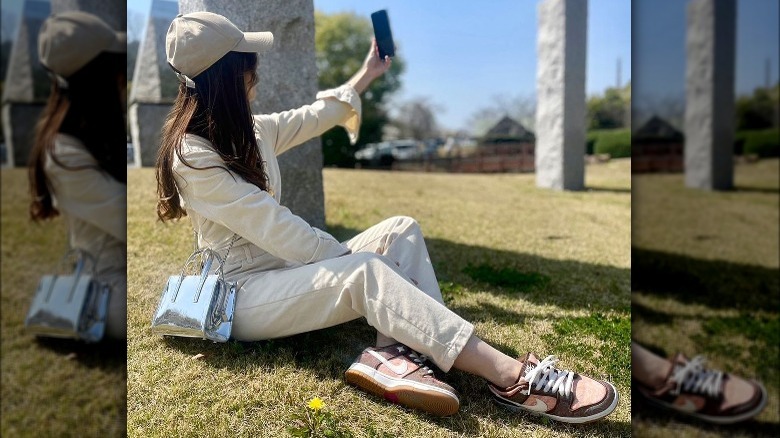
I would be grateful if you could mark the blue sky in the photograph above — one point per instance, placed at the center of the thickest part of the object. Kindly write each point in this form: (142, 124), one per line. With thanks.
(464, 54)
(658, 36)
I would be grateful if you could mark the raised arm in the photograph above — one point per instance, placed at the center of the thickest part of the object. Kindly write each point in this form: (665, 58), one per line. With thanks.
(340, 106)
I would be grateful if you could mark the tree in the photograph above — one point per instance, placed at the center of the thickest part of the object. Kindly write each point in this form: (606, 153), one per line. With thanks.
(610, 111)
(759, 110)
(416, 119)
(342, 41)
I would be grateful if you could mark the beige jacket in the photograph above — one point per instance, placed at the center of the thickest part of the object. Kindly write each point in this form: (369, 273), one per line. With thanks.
(92, 202)
(220, 204)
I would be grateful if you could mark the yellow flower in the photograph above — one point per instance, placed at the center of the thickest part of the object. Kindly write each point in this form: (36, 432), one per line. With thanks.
(316, 404)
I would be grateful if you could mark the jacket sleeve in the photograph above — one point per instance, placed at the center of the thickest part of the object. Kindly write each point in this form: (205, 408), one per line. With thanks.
(85, 192)
(339, 106)
(227, 199)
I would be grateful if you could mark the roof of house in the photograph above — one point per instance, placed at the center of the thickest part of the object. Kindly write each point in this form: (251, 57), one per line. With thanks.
(508, 129)
(658, 128)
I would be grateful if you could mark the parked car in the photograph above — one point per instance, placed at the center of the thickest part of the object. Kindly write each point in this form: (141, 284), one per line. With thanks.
(382, 155)
(375, 155)
(405, 150)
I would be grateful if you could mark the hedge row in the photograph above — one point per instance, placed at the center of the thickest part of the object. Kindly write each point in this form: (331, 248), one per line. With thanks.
(615, 142)
(764, 142)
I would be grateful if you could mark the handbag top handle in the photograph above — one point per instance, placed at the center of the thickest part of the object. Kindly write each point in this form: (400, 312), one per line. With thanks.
(207, 256)
(81, 259)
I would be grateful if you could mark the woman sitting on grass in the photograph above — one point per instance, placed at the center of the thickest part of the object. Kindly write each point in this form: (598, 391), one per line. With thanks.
(217, 165)
(78, 164)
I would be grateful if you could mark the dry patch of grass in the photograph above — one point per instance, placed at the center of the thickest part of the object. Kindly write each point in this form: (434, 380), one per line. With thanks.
(500, 225)
(706, 282)
(49, 387)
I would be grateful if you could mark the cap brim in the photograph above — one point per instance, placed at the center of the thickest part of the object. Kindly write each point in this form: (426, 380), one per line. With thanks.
(119, 45)
(257, 42)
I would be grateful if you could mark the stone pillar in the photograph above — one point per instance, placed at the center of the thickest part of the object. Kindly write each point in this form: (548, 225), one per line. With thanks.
(26, 85)
(154, 84)
(560, 91)
(288, 79)
(709, 104)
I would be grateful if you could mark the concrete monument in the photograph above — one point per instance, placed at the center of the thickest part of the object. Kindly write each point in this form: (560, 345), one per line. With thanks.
(288, 79)
(26, 85)
(154, 85)
(709, 103)
(560, 91)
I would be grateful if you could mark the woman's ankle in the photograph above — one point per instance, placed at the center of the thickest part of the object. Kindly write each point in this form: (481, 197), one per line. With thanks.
(509, 375)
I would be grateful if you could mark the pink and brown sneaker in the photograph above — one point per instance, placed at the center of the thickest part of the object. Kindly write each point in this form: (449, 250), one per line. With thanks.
(709, 395)
(399, 374)
(563, 396)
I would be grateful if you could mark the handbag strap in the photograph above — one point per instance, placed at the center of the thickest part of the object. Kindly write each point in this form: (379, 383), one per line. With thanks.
(209, 254)
(222, 261)
(83, 255)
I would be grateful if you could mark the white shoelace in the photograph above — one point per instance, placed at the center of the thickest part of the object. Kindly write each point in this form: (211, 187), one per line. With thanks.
(692, 377)
(419, 359)
(548, 378)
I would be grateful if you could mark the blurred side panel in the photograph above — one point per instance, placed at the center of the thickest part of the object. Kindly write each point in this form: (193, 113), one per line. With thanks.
(705, 217)
(56, 386)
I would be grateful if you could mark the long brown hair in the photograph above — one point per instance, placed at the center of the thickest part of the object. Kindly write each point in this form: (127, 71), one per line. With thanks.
(218, 110)
(91, 109)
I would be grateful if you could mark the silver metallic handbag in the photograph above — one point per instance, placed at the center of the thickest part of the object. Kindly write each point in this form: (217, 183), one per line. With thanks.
(197, 306)
(70, 306)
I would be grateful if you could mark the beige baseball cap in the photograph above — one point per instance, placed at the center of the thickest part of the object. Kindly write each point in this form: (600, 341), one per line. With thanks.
(70, 40)
(197, 40)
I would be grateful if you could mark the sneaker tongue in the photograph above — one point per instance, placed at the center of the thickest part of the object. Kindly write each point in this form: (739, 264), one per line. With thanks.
(678, 361)
(529, 363)
(680, 358)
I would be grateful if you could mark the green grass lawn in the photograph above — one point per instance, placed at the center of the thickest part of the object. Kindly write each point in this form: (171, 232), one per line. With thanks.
(50, 388)
(534, 270)
(705, 281)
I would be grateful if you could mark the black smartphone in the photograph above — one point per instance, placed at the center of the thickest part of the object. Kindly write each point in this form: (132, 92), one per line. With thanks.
(383, 35)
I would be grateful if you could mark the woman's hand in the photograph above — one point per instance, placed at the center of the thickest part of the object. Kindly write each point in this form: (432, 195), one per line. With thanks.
(373, 67)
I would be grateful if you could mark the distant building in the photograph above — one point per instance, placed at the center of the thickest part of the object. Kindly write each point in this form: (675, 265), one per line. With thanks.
(506, 147)
(657, 147)
(508, 130)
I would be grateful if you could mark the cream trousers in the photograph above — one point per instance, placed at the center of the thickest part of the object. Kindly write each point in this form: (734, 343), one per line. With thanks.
(388, 279)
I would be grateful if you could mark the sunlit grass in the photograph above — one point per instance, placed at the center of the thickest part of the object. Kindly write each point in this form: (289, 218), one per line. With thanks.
(51, 387)
(706, 281)
(542, 259)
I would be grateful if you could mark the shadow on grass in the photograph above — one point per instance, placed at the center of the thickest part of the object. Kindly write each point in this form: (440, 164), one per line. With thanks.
(567, 284)
(329, 352)
(649, 315)
(607, 189)
(768, 190)
(718, 285)
(712, 283)
(108, 355)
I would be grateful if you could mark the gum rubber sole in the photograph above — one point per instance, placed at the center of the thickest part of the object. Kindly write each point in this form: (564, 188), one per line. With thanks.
(430, 401)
